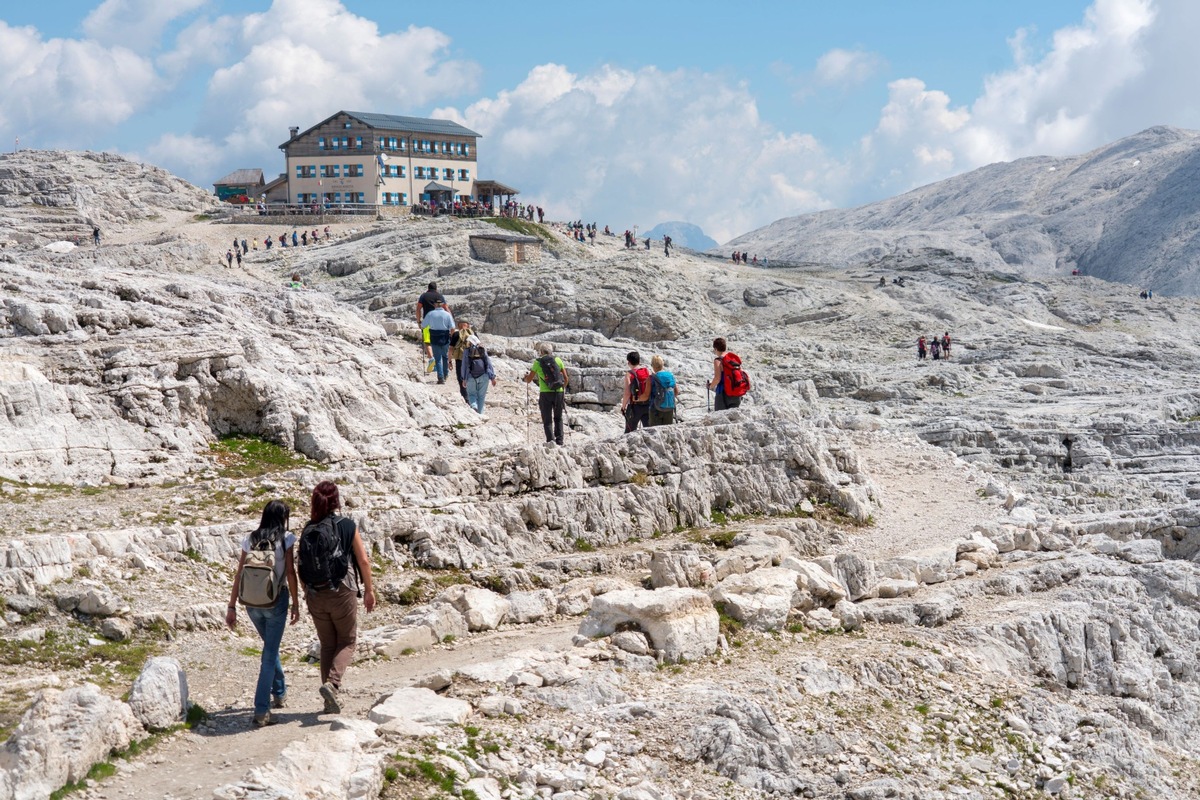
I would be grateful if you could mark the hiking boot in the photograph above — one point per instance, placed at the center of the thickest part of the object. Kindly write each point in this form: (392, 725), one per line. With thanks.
(441, 380)
(279, 702)
(329, 693)
(263, 720)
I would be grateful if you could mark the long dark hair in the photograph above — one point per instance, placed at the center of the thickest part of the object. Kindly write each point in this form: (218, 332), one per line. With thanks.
(325, 500)
(273, 524)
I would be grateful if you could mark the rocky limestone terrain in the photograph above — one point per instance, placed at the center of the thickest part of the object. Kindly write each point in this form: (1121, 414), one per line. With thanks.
(878, 578)
(1124, 212)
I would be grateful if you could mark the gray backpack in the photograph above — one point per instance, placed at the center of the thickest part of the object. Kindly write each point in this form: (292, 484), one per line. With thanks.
(260, 585)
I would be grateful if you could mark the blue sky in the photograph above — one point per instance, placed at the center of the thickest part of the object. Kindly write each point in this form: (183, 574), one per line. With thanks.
(728, 115)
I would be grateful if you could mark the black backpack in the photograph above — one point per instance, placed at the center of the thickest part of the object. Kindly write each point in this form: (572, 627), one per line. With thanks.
(324, 556)
(551, 375)
(476, 362)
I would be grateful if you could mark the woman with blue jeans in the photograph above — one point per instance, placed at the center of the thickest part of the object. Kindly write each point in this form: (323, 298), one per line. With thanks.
(271, 691)
(477, 372)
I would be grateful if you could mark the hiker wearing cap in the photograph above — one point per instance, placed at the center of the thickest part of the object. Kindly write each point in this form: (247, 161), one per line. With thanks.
(458, 343)
(476, 372)
(551, 375)
(635, 400)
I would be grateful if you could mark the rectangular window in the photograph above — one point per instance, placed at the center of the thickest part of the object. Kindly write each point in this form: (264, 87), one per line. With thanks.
(404, 198)
(299, 171)
(358, 142)
(348, 124)
(401, 168)
(466, 149)
(321, 143)
(353, 171)
(337, 197)
(447, 174)
(464, 174)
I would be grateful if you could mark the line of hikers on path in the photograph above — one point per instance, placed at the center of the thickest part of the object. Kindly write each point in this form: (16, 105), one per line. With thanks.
(332, 568)
(648, 398)
(242, 247)
(631, 242)
(938, 348)
(740, 257)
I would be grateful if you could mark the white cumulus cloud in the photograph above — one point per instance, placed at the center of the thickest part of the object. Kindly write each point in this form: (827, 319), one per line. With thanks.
(60, 91)
(135, 24)
(847, 68)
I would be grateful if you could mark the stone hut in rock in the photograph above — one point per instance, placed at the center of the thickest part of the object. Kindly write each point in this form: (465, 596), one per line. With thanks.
(506, 248)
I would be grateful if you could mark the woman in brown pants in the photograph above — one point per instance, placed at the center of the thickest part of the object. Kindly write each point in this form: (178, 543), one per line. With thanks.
(335, 572)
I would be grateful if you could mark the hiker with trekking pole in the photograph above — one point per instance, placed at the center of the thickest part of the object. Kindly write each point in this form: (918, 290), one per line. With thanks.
(729, 383)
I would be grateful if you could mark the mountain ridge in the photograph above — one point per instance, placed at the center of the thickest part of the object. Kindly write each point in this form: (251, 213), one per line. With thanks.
(1124, 212)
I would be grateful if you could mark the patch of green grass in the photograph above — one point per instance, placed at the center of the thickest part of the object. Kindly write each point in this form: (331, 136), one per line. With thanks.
(584, 546)
(728, 625)
(201, 217)
(250, 457)
(107, 663)
(520, 226)
(98, 772)
(194, 555)
(922, 709)
(196, 715)
(250, 652)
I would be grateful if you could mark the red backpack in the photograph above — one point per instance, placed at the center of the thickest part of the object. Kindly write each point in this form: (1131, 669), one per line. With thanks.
(734, 382)
(639, 385)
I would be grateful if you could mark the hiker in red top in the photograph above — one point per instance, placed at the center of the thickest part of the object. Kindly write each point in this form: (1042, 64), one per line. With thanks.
(921, 348)
(635, 400)
(946, 345)
(729, 383)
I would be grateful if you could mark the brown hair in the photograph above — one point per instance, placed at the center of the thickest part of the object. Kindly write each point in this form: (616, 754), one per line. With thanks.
(719, 344)
(325, 500)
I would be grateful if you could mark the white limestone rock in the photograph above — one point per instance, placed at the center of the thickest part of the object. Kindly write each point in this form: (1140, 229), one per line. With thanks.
(412, 709)
(344, 762)
(60, 737)
(482, 609)
(761, 599)
(532, 606)
(681, 623)
(159, 697)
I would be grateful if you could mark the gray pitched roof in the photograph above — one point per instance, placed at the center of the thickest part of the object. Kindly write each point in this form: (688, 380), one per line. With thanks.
(391, 122)
(242, 177)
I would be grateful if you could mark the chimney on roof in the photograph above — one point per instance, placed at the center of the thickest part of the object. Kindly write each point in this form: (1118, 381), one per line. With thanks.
(293, 131)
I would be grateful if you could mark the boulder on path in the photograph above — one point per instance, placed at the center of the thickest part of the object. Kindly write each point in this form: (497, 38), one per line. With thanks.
(59, 739)
(483, 610)
(415, 711)
(681, 623)
(682, 568)
(532, 606)
(159, 697)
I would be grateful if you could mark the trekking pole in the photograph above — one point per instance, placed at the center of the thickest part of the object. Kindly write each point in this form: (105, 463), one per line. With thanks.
(526, 414)
(708, 397)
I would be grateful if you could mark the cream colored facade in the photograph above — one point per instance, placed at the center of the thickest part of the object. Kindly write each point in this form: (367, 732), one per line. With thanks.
(380, 160)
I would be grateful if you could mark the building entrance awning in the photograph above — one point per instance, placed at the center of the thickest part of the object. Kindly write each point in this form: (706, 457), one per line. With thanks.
(432, 187)
(494, 189)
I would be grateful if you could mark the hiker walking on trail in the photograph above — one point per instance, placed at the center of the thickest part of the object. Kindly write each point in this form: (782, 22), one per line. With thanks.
(935, 349)
(552, 378)
(96, 235)
(458, 343)
(662, 393)
(335, 571)
(729, 383)
(238, 255)
(229, 259)
(946, 345)
(265, 582)
(439, 323)
(667, 246)
(477, 372)
(427, 302)
(635, 399)
(921, 348)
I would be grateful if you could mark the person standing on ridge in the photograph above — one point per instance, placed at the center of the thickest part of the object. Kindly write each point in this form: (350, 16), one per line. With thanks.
(946, 345)
(96, 235)
(551, 374)
(667, 246)
(334, 568)
(635, 399)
